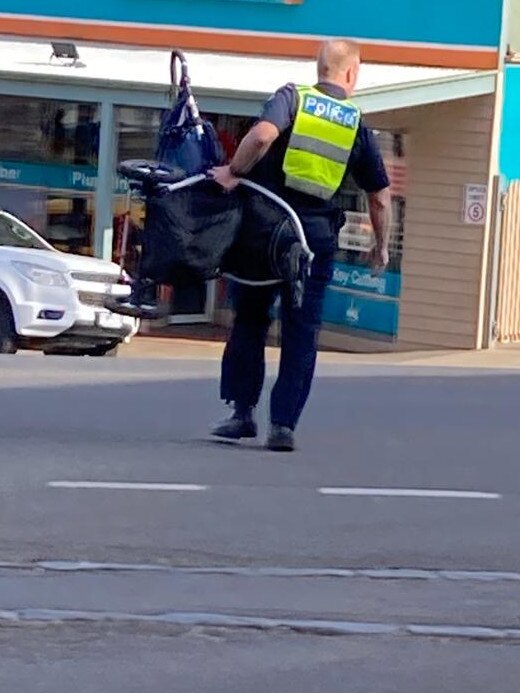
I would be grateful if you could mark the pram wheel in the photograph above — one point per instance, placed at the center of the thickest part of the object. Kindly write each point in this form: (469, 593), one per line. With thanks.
(151, 172)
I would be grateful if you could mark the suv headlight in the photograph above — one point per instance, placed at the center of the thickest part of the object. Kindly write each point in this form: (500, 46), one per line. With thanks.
(41, 275)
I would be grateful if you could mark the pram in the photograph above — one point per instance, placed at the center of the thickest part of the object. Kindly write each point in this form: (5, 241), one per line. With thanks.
(194, 230)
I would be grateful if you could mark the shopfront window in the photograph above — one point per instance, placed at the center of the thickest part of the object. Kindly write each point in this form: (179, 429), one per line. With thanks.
(359, 300)
(136, 132)
(70, 223)
(48, 167)
(43, 130)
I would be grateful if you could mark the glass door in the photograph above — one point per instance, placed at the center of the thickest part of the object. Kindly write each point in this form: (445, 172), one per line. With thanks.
(193, 304)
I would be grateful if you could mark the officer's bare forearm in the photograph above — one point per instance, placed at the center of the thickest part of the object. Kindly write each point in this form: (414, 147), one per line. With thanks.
(380, 210)
(249, 152)
(253, 147)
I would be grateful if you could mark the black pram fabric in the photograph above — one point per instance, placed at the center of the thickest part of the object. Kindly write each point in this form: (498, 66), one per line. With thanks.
(266, 246)
(188, 232)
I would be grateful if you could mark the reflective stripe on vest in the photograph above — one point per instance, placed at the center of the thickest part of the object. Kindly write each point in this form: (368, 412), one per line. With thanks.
(322, 138)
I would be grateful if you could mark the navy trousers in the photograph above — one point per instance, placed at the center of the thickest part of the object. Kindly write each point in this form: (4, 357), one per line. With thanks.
(243, 365)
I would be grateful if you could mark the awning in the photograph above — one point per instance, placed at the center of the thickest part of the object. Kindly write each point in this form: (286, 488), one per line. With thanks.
(245, 80)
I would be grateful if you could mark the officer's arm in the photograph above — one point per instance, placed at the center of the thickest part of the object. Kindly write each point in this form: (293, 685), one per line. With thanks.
(369, 172)
(253, 147)
(380, 210)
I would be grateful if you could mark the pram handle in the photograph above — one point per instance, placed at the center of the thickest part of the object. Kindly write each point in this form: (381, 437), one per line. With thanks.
(290, 211)
(184, 80)
(185, 84)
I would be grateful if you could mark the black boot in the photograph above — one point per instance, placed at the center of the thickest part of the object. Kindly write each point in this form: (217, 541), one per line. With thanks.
(280, 439)
(240, 425)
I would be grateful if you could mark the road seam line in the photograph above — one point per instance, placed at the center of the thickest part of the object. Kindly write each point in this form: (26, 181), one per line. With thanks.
(63, 566)
(303, 626)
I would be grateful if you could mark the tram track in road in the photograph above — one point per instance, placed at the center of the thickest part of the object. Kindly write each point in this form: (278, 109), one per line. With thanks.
(406, 601)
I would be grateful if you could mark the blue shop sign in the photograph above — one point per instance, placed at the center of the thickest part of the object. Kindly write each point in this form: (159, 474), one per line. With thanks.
(360, 278)
(361, 312)
(274, 2)
(54, 176)
(446, 22)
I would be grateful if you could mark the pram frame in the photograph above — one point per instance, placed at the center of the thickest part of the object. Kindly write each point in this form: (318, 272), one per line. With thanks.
(135, 187)
(193, 180)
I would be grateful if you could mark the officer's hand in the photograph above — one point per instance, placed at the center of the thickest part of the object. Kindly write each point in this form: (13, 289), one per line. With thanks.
(378, 259)
(223, 176)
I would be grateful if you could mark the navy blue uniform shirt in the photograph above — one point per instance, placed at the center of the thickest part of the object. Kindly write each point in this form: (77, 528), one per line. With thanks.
(365, 164)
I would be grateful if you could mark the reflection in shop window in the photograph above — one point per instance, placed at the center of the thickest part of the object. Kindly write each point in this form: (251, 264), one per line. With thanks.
(28, 204)
(137, 131)
(48, 167)
(70, 223)
(45, 130)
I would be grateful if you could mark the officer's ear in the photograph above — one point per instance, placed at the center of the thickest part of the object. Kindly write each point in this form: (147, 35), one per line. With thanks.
(352, 74)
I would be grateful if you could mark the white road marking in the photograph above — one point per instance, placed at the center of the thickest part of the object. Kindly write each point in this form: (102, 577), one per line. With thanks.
(407, 493)
(125, 486)
(326, 490)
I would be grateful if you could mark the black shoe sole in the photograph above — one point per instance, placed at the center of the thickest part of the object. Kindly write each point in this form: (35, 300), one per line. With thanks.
(280, 447)
(233, 436)
(135, 311)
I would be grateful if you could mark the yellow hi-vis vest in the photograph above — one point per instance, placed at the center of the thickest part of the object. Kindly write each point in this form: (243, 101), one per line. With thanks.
(322, 138)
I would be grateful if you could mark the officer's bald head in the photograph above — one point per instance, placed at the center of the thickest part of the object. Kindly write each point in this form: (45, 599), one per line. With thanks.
(338, 62)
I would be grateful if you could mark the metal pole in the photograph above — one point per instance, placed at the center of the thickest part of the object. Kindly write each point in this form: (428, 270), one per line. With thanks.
(105, 183)
(126, 229)
(494, 261)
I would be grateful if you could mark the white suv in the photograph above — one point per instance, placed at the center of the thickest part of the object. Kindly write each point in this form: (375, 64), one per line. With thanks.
(53, 301)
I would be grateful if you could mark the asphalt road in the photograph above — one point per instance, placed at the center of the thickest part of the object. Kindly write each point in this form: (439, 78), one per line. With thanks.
(138, 554)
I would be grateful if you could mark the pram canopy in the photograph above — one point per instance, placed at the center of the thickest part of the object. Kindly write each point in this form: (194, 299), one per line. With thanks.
(186, 140)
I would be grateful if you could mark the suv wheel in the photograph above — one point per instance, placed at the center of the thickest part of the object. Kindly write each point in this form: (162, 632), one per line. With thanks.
(85, 351)
(8, 337)
(103, 351)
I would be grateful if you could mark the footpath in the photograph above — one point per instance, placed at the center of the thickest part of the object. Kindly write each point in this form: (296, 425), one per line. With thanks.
(504, 357)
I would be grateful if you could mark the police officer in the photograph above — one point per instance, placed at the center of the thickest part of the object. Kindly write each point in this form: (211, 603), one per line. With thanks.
(305, 143)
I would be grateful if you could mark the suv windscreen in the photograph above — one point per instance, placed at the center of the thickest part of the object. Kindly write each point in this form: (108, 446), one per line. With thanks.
(14, 235)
